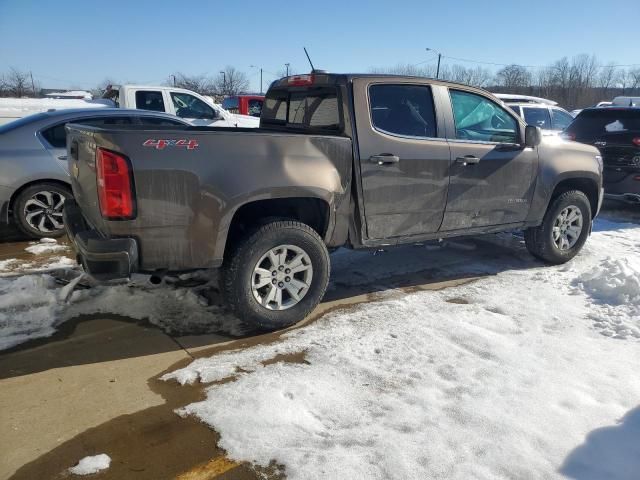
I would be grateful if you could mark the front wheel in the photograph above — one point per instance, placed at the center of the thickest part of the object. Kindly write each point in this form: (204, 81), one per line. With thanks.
(564, 229)
(277, 275)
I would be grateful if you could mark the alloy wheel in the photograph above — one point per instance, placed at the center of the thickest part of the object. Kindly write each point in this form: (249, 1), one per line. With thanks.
(43, 211)
(567, 228)
(282, 277)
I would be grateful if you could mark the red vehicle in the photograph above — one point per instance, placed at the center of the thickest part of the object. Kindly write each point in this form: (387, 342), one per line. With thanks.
(244, 104)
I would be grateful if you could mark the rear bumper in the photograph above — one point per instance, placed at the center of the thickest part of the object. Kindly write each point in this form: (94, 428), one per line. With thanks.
(102, 258)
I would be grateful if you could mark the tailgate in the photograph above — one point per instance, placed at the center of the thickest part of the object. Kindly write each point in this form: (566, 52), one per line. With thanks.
(81, 158)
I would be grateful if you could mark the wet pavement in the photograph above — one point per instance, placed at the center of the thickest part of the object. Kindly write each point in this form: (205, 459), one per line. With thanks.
(94, 386)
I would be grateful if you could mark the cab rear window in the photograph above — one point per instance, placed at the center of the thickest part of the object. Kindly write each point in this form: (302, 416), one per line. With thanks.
(312, 108)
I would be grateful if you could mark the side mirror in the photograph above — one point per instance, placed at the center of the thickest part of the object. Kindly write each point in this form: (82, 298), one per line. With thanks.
(532, 136)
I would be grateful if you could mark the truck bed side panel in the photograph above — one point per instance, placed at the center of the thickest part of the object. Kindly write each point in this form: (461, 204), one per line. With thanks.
(186, 198)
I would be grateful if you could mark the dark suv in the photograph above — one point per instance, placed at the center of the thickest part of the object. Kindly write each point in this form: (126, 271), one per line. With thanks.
(615, 131)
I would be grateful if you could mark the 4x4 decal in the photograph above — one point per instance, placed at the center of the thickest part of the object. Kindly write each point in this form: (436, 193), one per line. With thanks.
(160, 144)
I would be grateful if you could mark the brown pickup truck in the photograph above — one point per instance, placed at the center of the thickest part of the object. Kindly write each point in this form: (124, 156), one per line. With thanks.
(339, 160)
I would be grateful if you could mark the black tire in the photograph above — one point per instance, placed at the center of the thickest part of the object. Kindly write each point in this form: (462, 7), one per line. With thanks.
(21, 210)
(238, 273)
(539, 240)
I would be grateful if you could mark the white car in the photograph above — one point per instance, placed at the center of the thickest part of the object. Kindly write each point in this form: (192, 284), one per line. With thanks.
(190, 106)
(539, 112)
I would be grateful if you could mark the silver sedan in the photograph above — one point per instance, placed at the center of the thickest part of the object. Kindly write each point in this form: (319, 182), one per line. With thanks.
(34, 180)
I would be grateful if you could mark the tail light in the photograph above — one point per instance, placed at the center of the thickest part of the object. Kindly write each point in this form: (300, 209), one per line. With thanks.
(115, 185)
(300, 80)
(636, 141)
(637, 178)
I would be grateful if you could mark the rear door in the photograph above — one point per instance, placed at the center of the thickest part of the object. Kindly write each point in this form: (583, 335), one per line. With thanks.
(492, 175)
(538, 117)
(404, 157)
(56, 135)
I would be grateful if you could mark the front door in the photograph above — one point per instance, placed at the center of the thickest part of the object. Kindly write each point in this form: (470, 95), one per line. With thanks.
(492, 175)
(404, 158)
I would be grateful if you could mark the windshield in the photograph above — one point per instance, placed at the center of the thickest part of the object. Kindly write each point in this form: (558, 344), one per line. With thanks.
(7, 127)
(598, 122)
(312, 108)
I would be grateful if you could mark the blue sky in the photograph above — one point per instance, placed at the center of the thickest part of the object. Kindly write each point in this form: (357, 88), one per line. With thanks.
(78, 43)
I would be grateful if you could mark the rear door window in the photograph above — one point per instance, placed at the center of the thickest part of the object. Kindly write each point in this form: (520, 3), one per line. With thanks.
(149, 100)
(56, 135)
(538, 117)
(405, 110)
(560, 120)
(479, 119)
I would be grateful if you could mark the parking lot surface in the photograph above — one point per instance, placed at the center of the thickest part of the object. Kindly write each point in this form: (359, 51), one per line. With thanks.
(93, 385)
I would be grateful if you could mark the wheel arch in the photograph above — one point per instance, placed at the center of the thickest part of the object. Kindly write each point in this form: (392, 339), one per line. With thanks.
(313, 211)
(586, 185)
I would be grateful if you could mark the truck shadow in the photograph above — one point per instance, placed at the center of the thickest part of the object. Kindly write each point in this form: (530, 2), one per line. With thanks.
(610, 452)
(357, 277)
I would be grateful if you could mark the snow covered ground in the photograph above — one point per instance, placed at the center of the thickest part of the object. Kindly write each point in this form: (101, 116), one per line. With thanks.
(531, 373)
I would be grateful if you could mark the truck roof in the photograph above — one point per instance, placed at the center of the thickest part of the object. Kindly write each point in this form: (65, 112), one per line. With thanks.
(348, 77)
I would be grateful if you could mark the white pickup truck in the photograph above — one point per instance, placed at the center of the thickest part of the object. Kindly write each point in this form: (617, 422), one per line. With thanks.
(194, 108)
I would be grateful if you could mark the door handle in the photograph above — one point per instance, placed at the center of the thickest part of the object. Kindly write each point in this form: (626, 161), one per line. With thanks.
(384, 158)
(468, 160)
(62, 157)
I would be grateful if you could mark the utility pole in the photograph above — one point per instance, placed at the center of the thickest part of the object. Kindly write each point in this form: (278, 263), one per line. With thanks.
(33, 85)
(287, 65)
(439, 58)
(224, 82)
(174, 80)
(254, 66)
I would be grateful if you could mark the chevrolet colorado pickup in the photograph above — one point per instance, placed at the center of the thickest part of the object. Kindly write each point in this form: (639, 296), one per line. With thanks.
(339, 160)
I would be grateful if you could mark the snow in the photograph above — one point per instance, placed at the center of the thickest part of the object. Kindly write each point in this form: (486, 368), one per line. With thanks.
(527, 372)
(510, 376)
(46, 245)
(27, 308)
(27, 106)
(91, 464)
(614, 281)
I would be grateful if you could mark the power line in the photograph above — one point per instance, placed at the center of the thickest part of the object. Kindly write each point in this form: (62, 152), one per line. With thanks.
(530, 66)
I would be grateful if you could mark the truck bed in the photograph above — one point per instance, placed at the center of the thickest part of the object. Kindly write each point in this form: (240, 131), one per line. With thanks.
(188, 183)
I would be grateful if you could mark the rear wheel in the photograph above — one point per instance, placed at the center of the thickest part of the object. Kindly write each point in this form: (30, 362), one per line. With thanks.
(564, 229)
(37, 210)
(276, 275)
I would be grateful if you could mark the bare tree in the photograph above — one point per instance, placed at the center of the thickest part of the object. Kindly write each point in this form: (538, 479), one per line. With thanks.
(18, 83)
(201, 84)
(477, 77)
(231, 82)
(634, 78)
(513, 77)
(607, 77)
